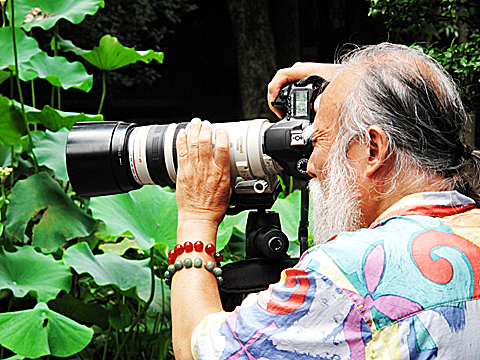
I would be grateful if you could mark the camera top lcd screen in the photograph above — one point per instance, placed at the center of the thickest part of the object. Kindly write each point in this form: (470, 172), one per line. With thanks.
(301, 103)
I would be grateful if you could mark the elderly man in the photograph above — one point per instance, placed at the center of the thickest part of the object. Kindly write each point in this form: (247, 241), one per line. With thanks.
(394, 189)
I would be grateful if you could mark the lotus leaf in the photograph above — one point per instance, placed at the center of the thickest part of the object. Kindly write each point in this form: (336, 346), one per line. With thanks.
(50, 151)
(111, 55)
(12, 125)
(41, 331)
(149, 213)
(52, 11)
(58, 71)
(28, 45)
(60, 219)
(132, 277)
(28, 272)
(53, 119)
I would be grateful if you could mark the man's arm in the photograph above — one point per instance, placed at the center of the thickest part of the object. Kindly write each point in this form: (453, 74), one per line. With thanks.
(203, 193)
(297, 72)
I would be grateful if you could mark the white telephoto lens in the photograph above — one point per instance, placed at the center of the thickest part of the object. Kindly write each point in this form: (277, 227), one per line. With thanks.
(247, 159)
(137, 151)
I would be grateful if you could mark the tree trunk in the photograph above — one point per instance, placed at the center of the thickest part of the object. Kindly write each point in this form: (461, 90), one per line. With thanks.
(255, 54)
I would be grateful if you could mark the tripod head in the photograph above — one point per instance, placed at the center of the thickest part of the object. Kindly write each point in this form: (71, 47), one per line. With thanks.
(266, 254)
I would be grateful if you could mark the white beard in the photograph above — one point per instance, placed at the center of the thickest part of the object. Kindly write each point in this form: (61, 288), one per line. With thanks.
(335, 202)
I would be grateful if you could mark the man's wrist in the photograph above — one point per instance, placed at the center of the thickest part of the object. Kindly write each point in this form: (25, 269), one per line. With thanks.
(197, 229)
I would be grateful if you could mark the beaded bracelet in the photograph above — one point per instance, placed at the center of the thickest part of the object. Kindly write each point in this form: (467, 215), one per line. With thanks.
(176, 265)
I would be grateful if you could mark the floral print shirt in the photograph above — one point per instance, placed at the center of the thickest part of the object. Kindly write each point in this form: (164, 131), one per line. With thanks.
(406, 288)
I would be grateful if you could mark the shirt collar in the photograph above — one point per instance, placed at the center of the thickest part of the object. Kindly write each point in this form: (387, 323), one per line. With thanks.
(438, 204)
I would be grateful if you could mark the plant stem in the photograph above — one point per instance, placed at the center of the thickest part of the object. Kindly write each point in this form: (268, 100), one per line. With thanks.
(105, 348)
(144, 309)
(33, 93)
(104, 91)
(12, 177)
(24, 114)
(4, 23)
(55, 53)
(4, 200)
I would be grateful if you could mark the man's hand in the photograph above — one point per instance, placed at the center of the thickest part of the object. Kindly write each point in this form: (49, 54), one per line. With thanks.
(203, 181)
(297, 72)
(203, 195)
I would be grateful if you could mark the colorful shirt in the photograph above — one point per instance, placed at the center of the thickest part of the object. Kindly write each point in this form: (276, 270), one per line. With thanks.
(406, 288)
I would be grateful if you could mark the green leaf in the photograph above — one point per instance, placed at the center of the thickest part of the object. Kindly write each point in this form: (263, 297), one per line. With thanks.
(131, 277)
(5, 75)
(121, 247)
(111, 55)
(60, 219)
(50, 151)
(58, 71)
(12, 126)
(74, 11)
(47, 333)
(120, 316)
(75, 309)
(27, 271)
(289, 210)
(28, 45)
(54, 119)
(149, 213)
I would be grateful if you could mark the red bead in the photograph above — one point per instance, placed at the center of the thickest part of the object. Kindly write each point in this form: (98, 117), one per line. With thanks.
(218, 257)
(198, 246)
(172, 254)
(170, 261)
(210, 249)
(188, 246)
(178, 249)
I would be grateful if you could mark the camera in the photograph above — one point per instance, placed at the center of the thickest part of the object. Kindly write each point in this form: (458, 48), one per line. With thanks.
(105, 158)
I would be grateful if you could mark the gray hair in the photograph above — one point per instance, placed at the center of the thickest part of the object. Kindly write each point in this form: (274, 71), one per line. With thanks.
(416, 103)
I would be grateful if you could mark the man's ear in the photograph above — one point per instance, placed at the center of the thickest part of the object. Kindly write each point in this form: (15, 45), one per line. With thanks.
(377, 149)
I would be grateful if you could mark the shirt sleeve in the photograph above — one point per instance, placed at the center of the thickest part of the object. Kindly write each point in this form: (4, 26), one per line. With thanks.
(304, 315)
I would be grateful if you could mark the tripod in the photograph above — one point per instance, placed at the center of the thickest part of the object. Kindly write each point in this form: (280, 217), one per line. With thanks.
(266, 254)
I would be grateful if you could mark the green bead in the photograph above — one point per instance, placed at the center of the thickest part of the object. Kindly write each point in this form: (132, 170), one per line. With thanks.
(171, 269)
(217, 272)
(197, 263)
(188, 263)
(178, 265)
(209, 265)
(167, 275)
(219, 280)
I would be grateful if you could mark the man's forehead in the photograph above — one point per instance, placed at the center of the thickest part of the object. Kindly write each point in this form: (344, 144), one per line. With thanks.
(337, 89)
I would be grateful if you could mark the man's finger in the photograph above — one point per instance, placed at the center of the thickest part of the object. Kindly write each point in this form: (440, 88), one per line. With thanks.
(205, 140)
(193, 134)
(222, 156)
(182, 148)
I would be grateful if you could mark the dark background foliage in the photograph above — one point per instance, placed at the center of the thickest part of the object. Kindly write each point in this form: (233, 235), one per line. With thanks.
(219, 56)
